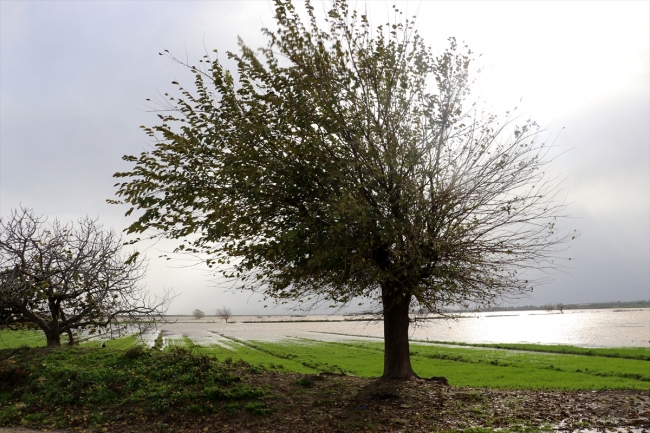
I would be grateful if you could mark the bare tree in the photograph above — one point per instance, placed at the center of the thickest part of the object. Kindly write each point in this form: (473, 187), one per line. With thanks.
(225, 313)
(198, 314)
(70, 279)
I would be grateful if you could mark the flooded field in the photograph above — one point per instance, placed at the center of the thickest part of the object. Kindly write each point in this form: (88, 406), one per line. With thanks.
(586, 328)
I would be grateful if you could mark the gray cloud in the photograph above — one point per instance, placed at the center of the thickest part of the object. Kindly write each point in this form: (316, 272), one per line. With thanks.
(74, 77)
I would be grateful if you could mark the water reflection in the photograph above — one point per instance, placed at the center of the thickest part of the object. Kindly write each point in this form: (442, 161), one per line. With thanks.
(586, 328)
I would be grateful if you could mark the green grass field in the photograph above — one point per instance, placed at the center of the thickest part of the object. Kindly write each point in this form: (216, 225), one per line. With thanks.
(13, 339)
(472, 367)
(512, 366)
(628, 352)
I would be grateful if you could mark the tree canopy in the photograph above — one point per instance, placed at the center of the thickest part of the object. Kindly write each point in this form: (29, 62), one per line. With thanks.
(339, 162)
(69, 279)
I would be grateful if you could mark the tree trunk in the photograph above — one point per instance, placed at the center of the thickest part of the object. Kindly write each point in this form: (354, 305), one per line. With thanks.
(397, 360)
(53, 339)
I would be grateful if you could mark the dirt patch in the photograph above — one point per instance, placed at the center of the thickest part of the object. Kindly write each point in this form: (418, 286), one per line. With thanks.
(359, 404)
(314, 403)
(26, 430)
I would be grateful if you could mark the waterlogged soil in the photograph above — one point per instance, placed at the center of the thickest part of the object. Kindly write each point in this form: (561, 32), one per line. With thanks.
(332, 403)
(26, 430)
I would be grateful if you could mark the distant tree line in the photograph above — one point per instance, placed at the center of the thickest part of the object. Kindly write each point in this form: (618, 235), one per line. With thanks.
(224, 313)
(593, 305)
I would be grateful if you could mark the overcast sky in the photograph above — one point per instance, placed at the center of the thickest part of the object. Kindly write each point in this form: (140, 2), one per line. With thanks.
(74, 77)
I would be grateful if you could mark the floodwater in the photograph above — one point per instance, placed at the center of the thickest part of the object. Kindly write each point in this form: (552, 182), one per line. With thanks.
(585, 328)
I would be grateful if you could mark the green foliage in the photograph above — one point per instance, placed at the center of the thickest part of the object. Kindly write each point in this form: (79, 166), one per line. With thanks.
(305, 382)
(135, 352)
(81, 379)
(341, 163)
(238, 392)
(158, 343)
(257, 408)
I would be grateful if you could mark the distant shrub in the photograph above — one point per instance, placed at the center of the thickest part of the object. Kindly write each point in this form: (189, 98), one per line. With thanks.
(306, 382)
(135, 352)
(158, 344)
(224, 313)
(257, 408)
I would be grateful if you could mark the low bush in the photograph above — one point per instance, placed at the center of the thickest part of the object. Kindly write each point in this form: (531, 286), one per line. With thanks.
(55, 386)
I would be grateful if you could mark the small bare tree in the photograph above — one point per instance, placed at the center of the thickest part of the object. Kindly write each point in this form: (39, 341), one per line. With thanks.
(198, 314)
(225, 313)
(70, 279)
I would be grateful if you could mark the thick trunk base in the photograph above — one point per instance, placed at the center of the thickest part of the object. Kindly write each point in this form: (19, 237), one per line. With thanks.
(53, 340)
(397, 359)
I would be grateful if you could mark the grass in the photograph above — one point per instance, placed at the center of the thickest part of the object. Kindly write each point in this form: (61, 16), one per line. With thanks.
(74, 385)
(275, 386)
(490, 368)
(642, 353)
(13, 339)
(16, 339)
(502, 366)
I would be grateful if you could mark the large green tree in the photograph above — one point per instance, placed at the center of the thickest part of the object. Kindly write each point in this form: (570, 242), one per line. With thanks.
(338, 162)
